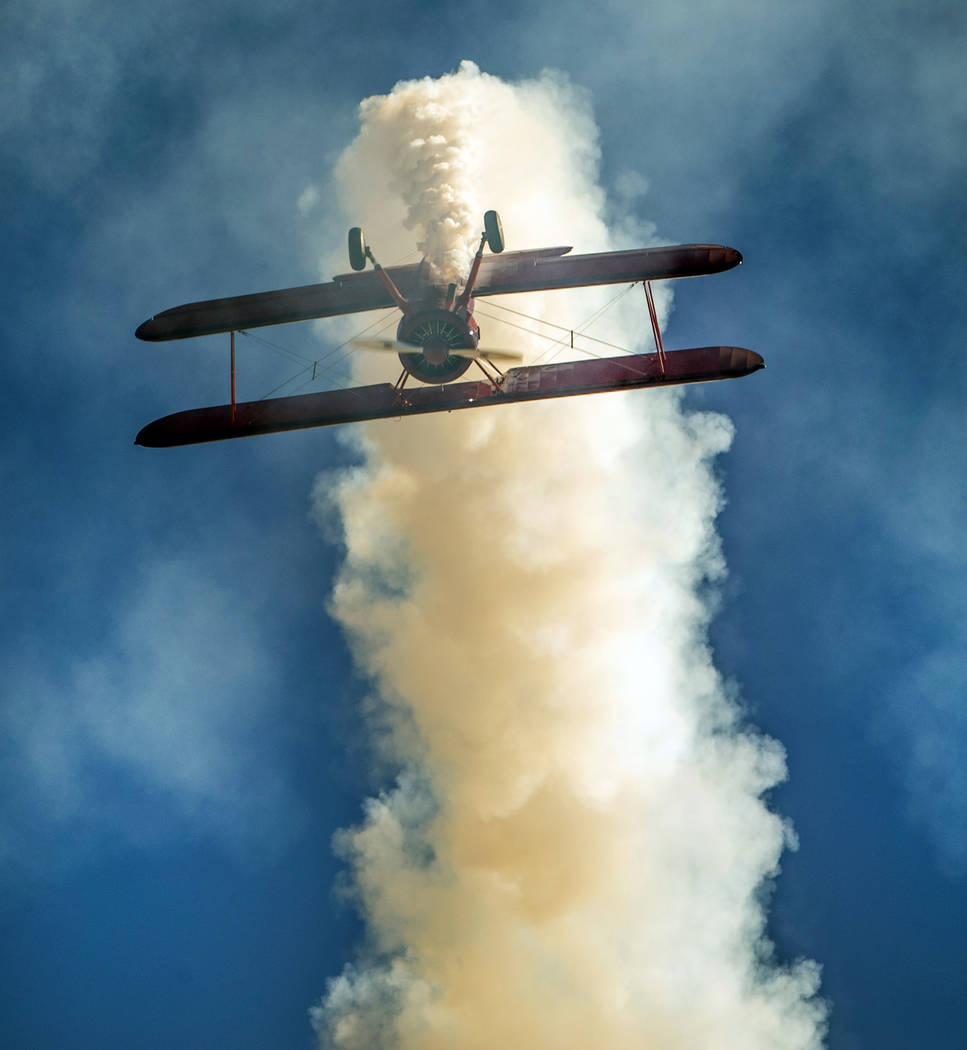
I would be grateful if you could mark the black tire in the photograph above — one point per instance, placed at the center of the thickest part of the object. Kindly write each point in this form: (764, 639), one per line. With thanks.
(494, 231)
(357, 249)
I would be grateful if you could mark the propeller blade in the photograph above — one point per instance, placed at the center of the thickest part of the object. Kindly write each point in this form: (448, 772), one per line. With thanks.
(381, 344)
(490, 354)
(397, 347)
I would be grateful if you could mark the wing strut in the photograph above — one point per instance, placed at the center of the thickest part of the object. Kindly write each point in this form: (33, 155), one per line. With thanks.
(233, 376)
(659, 345)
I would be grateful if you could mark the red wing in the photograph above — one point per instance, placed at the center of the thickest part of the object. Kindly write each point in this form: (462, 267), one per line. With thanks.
(503, 274)
(525, 271)
(382, 401)
(354, 294)
(349, 293)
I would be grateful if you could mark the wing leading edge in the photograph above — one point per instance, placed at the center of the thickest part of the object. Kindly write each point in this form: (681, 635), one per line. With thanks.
(527, 271)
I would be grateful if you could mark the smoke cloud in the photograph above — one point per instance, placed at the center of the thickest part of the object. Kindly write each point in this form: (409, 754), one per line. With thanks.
(575, 851)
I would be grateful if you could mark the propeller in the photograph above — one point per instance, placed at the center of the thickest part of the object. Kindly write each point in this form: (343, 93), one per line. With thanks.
(404, 348)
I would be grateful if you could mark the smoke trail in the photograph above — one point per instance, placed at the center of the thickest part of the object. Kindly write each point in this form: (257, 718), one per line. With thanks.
(574, 854)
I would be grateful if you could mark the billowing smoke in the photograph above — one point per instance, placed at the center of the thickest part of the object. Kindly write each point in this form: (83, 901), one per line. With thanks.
(575, 851)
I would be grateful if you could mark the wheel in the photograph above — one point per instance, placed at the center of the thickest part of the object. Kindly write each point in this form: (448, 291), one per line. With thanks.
(357, 249)
(494, 231)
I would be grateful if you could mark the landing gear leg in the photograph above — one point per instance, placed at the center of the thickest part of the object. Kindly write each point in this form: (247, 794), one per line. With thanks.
(494, 380)
(400, 383)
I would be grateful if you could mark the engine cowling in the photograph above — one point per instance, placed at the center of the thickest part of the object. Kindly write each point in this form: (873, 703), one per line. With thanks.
(434, 334)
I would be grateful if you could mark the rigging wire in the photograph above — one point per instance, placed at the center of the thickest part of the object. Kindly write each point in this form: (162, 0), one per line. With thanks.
(325, 363)
(563, 343)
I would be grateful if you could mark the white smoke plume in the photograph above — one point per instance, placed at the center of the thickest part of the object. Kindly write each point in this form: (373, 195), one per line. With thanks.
(575, 853)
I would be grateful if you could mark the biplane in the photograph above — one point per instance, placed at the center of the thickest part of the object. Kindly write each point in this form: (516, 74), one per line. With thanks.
(437, 338)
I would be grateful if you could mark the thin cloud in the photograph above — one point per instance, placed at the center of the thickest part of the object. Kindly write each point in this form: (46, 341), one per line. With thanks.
(163, 730)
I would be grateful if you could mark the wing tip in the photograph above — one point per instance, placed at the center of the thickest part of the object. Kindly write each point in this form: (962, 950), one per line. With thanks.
(147, 331)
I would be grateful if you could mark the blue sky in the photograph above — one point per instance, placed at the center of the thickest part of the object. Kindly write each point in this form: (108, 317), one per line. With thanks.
(180, 715)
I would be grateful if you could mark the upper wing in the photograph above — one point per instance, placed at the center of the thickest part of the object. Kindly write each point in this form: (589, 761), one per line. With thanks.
(527, 271)
(349, 293)
(502, 274)
(346, 295)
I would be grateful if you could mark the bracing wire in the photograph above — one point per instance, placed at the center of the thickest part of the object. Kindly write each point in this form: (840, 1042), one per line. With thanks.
(562, 344)
(325, 363)
(337, 355)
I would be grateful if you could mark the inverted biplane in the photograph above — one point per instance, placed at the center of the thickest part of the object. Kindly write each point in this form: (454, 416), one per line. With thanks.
(437, 339)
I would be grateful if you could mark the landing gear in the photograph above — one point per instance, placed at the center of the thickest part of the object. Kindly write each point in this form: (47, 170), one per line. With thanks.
(357, 249)
(494, 232)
